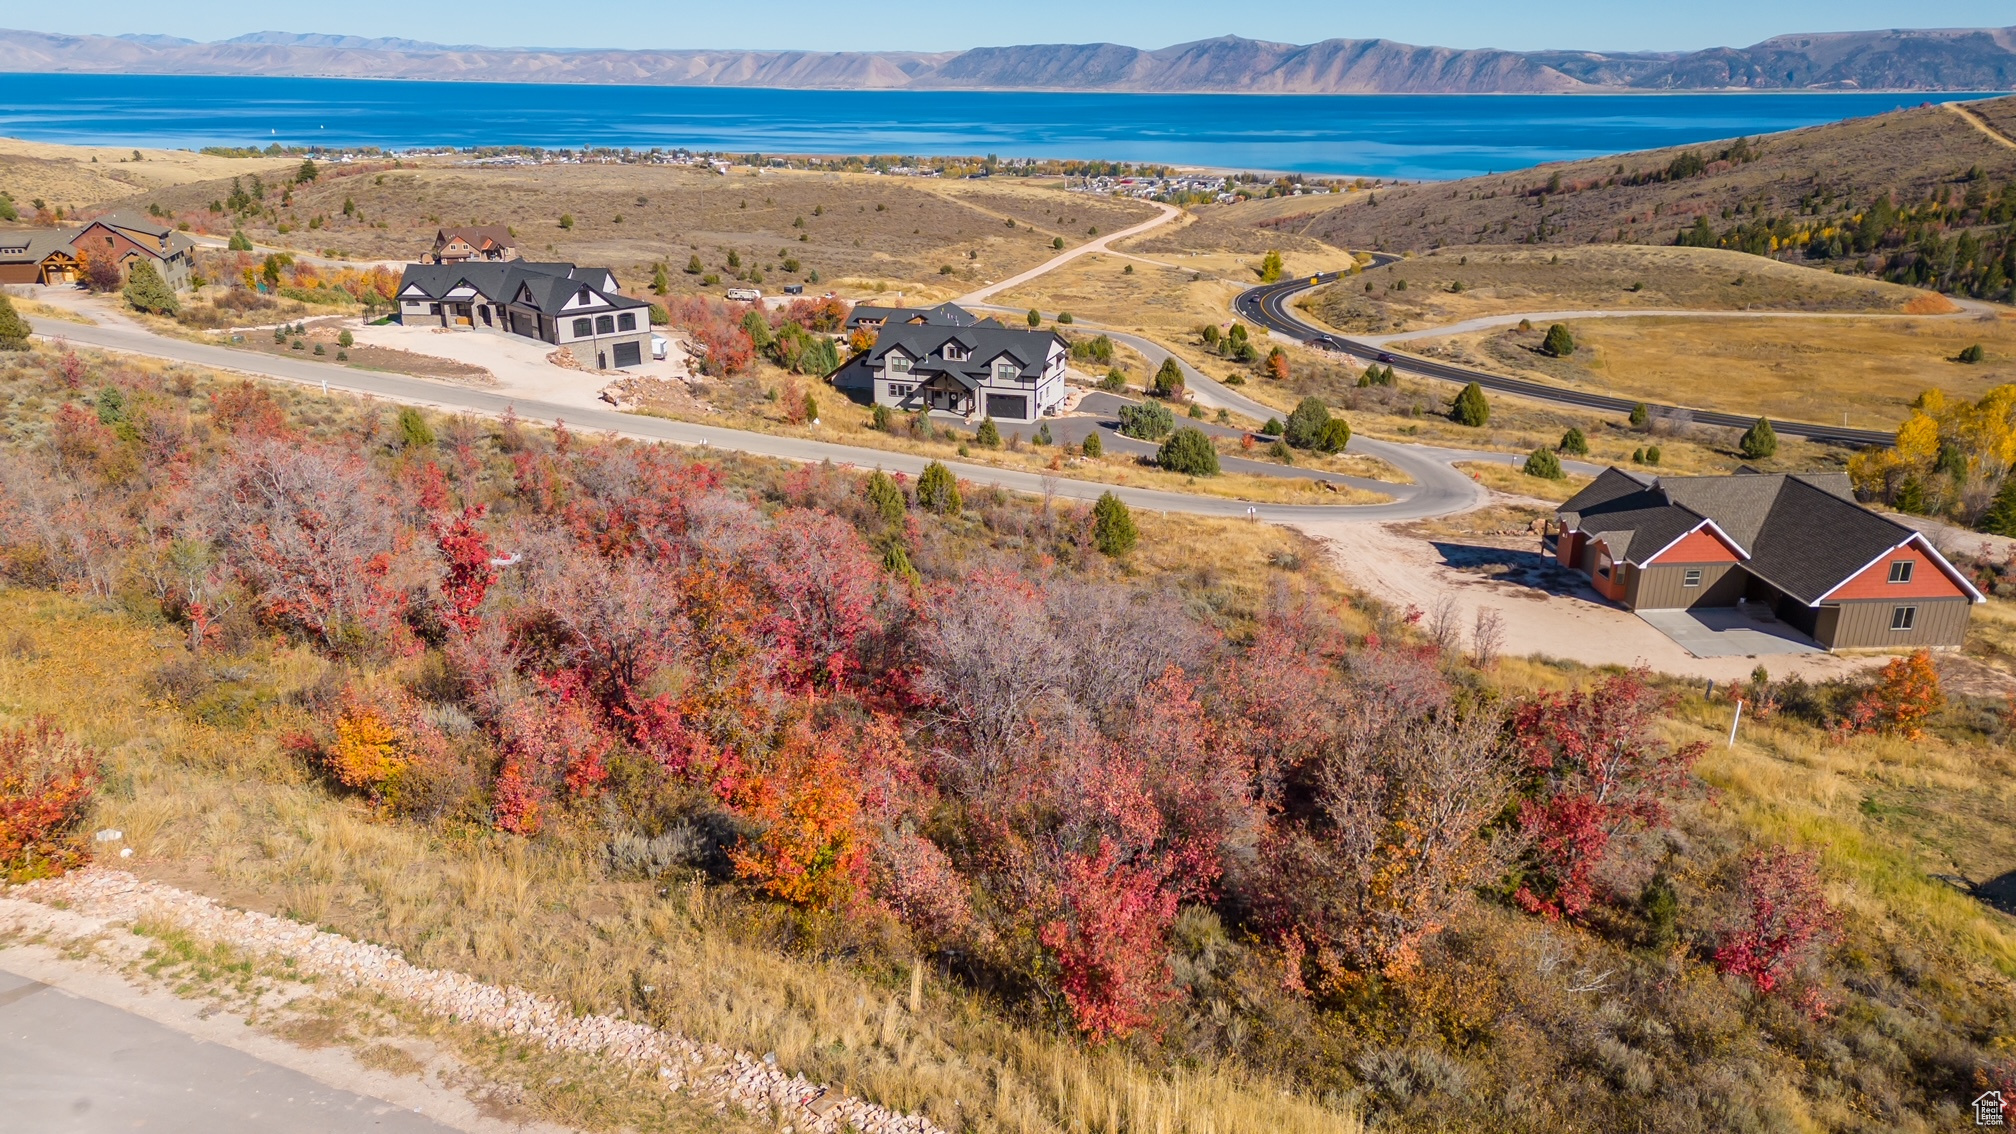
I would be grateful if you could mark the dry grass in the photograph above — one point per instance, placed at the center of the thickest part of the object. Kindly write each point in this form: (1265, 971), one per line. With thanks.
(627, 217)
(1799, 369)
(1524, 278)
(1512, 480)
(210, 802)
(68, 176)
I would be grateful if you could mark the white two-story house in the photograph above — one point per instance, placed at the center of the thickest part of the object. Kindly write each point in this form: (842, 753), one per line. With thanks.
(951, 362)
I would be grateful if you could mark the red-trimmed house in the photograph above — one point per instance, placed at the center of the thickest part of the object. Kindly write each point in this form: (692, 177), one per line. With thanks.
(1840, 573)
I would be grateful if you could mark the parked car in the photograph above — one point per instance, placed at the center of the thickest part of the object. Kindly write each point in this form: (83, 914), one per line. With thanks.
(660, 348)
(794, 289)
(745, 295)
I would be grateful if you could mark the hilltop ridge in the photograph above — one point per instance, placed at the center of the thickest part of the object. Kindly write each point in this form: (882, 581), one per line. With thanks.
(1950, 59)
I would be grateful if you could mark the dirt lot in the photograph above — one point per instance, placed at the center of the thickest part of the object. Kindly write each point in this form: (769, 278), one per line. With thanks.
(839, 226)
(1421, 291)
(1803, 369)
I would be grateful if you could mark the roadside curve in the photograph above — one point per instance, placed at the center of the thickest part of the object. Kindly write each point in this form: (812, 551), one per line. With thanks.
(1269, 306)
(1438, 490)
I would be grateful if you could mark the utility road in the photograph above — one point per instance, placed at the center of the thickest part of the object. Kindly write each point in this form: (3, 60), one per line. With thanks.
(1169, 213)
(1269, 307)
(1437, 490)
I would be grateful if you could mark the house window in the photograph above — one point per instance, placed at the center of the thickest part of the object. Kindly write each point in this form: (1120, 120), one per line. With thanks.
(626, 321)
(433, 309)
(1004, 370)
(583, 328)
(954, 354)
(1903, 617)
(605, 325)
(1900, 571)
(1693, 577)
(898, 364)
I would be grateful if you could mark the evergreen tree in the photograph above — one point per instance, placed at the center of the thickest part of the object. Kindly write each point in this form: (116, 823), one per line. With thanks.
(2000, 519)
(1759, 441)
(1558, 343)
(1168, 381)
(1043, 435)
(147, 291)
(1113, 531)
(1640, 414)
(938, 489)
(1147, 421)
(1336, 435)
(811, 408)
(896, 561)
(240, 242)
(1544, 464)
(989, 435)
(1969, 354)
(414, 432)
(1470, 407)
(880, 419)
(884, 498)
(1910, 496)
(14, 329)
(1270, 267)
(760, 335)
(1305, 425)
(1574, 443)
(661, 281)
(693, 265)
(1035, 317)
(1638, 456)
(1651, 454)
(1272, 428)
(1093, 447)
(1189, 452)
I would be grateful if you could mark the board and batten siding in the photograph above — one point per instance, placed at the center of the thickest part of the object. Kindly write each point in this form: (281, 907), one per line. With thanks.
(1664, 586)
(1865, 624)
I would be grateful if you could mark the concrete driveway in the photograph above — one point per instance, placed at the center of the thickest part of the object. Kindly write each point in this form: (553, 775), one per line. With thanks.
(518, 363)
(1730, 632)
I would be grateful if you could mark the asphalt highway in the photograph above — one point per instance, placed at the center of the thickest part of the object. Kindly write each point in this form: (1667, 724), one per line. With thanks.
(1268, 306)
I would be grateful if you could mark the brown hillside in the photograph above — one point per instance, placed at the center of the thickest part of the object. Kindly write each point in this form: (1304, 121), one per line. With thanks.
(1805, 180)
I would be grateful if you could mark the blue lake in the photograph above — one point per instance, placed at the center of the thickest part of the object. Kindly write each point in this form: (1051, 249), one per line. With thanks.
(1409, 136)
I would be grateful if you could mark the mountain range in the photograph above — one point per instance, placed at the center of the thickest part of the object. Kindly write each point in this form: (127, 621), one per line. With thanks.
(1953, 59)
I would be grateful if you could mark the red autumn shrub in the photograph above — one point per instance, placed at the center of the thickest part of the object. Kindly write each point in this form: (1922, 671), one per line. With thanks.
(1110, 940)
(1596, 769)
(1781, 919)
(467, 574)
(46, 785)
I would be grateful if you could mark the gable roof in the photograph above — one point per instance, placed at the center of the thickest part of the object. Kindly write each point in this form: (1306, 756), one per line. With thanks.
(34, 245)
(1802, 533)
(983, 343)
(547, 286)
(943, 315)
(481, 237)
(159, 239)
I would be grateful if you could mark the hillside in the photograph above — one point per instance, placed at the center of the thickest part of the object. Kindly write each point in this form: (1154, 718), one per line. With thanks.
(1920, 196)
(1935, 60)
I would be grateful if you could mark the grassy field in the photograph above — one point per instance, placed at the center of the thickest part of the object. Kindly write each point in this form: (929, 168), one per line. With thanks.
(76, 177)
(1800, 369)
(1448, 286)
(857, 227)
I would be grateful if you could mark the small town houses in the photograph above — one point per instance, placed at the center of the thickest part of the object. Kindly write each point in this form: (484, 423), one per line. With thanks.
(947, 359)
(59, 255)
(489, 243)
(577, 308)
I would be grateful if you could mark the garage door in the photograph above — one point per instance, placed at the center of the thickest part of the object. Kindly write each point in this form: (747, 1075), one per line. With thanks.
(628, 354)
(1008, 407)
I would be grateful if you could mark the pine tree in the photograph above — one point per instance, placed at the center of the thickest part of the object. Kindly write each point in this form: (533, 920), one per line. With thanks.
(1640, 414)
(1168, 381)
(1035, 317)
(1544, 464)
(661, 280)
(1093, 447)
(1189, 452)
(1113, 530)
(1043, 435)
(147, 291)
(1336, 435)
(1558, 343)
(1574, 443)
(885, 498)
(1651, 454)
(1305, 425)
(880, 419)
(693, 265)
(988, 435)
(240, 242)
(1470, 407)
(1272, 428)
(1759, 441)
(2000, 519)
(938, 489)
(896, 561)
(13, 328)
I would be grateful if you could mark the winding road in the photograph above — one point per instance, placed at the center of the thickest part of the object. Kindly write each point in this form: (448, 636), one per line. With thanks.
(1438, 488)
(1268, 306)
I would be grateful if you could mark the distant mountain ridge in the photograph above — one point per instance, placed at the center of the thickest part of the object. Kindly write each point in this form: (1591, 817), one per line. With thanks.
(1952, 59)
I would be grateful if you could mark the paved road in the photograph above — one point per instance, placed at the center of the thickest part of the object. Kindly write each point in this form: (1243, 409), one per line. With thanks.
(69, 1065)
(1168, 213)
(1438, 490)
(1268, 306)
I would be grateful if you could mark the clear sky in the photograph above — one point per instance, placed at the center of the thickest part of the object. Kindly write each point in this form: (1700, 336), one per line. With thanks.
(1613, 25)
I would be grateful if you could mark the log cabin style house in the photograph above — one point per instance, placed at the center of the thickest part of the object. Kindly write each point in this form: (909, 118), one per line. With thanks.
(1798, 543)
(57, 255)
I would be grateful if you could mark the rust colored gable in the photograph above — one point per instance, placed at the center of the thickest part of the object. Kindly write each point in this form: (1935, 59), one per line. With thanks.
(1873, 582)
(1697, 546)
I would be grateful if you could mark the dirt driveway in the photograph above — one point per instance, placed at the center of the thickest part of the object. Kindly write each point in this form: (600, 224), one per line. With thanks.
(1546, 609)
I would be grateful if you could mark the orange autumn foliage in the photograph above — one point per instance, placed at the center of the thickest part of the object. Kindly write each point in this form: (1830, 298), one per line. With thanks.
(812, 847)
(1905, 695)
